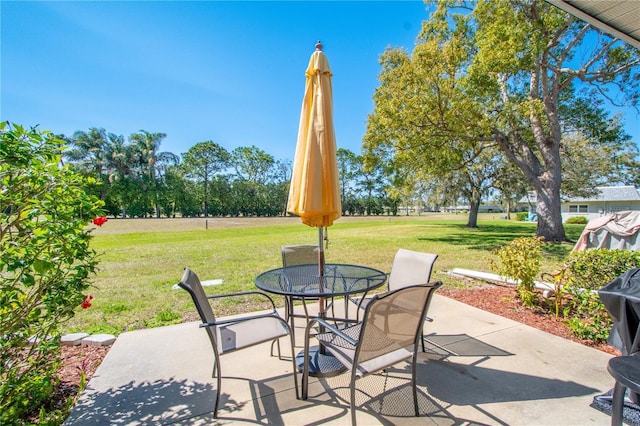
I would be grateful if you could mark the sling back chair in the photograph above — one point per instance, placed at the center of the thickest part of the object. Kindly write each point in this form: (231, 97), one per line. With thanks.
(408, 268)
(228, 335)
(388, 334)
(294, 255)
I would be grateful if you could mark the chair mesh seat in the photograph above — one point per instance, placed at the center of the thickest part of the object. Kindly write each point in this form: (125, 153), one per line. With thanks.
(243, 334)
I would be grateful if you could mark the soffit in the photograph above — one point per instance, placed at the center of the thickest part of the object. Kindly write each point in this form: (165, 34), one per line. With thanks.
(620, 18)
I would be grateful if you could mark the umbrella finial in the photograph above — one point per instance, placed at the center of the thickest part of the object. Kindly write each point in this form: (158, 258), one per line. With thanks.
(319, 46)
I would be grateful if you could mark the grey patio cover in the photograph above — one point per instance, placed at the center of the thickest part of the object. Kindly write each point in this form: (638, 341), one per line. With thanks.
(614, 231)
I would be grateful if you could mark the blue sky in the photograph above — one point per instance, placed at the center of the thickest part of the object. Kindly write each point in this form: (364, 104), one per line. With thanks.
(230, 72)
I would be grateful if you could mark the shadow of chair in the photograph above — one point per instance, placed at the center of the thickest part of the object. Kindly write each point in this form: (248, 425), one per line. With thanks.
(388, 334)
(238, 332)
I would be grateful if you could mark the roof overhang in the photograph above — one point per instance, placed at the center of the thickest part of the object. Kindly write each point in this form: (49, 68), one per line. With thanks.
(620, 18)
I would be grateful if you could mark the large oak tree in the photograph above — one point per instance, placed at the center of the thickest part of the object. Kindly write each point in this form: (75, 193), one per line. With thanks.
(503, 74)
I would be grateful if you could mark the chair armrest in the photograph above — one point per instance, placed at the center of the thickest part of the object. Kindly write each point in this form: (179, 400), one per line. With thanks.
(331, 328)
(244, 293)
(434, 284)
(239, 319)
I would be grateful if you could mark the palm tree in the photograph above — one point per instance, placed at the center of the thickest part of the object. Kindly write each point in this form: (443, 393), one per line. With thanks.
(87, 153)
(147, 145)
(121, 160)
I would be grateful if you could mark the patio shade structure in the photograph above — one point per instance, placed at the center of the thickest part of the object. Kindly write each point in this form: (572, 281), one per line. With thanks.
(314, 194)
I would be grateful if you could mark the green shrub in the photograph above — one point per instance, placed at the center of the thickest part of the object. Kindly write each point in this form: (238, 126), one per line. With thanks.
(520, 260)
(521, 216)
(594, 268)
(587, 271)
(45, 264)
(577, 220)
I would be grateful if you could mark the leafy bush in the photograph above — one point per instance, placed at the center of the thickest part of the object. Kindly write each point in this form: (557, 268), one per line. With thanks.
(521, 216)
(45, 264)
(594, 268)
(582, 220)
(520, 260)
(587, 271)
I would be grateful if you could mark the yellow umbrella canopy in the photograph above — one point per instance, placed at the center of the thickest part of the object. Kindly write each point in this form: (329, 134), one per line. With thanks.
(314, 194)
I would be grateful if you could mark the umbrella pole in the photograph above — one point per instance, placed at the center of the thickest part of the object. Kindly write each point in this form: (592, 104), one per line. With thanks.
(321, 307)
(321, 301)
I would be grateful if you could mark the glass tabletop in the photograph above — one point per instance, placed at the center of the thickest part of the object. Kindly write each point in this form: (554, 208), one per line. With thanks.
(305, 281)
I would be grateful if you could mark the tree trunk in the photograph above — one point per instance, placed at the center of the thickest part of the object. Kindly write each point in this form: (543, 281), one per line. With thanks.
(549, 217)
(474, 207)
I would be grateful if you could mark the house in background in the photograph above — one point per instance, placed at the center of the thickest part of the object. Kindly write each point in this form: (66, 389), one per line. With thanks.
(609, 199)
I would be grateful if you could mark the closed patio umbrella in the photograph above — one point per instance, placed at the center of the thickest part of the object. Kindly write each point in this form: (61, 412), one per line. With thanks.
(314, 193)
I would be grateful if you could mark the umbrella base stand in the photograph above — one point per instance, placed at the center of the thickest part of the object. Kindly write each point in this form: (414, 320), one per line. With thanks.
(320, 364)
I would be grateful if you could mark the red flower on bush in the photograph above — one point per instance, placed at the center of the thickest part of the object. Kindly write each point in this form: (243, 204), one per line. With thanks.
(87, 302)
(100, 220)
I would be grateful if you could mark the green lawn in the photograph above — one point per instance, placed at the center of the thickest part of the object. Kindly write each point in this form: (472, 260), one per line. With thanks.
(143, 258)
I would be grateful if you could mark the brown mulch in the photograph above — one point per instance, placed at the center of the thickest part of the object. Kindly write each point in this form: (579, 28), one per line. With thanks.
(500, 300)
(75, 361)
(503, 300)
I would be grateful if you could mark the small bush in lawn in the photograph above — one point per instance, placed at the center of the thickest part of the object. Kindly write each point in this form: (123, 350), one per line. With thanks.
(520, 260)
(586, 272)
(577, 220)
(45, 265)
(521, 216)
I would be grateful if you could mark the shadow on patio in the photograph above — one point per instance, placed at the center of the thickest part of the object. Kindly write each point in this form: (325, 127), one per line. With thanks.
(503, 373)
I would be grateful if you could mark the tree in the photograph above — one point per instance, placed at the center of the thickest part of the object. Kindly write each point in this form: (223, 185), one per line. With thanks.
(121, 159)
(254, 168)
(167, 173)
(474, 180)
(147, 145)
(511, 185)
(87, 150)
(282, 177)
(502, 74)
(349, 172)
(201, 162)
(373, 183)
(595, 149)
(252, 164)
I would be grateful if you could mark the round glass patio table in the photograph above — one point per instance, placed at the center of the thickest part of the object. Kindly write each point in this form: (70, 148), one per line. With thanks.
(304, 281)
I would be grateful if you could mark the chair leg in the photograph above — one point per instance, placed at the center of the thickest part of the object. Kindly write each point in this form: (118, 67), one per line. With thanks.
(295, 367)
(218, 386)
(617, 404)
(346, 307)
(414, 373)
(305, 368)
(276, 343)
(288, 309)
(353, 396)
(290, 318)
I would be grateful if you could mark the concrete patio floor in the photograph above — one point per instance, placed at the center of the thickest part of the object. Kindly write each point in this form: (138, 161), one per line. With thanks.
(504, 373)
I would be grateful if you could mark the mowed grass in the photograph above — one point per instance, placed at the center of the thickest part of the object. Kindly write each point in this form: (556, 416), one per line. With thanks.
(142, 259)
